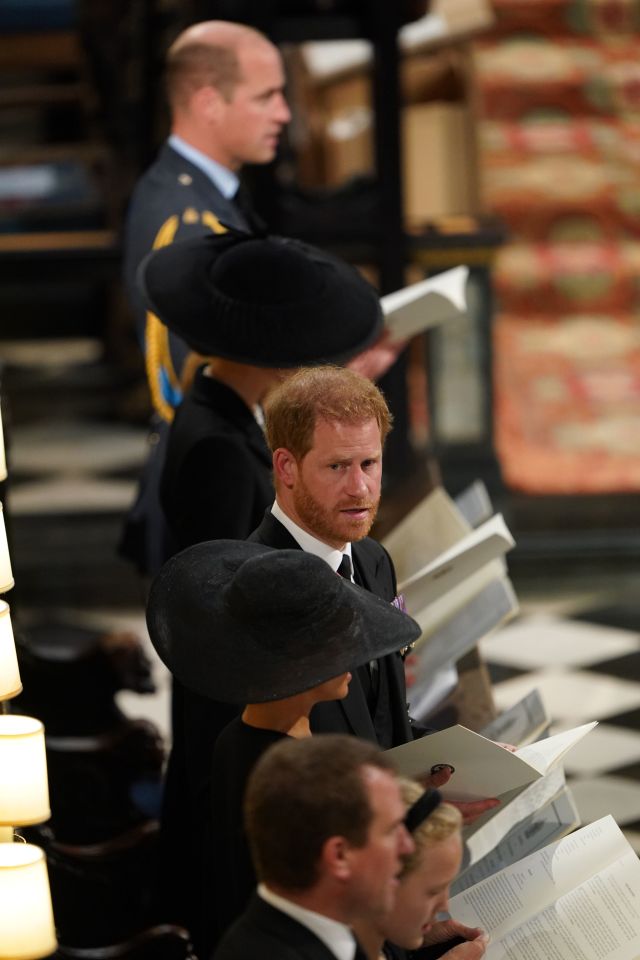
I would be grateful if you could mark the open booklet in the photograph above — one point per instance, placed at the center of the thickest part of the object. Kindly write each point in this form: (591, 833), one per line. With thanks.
(474, 503)
(434, 525)
(576, 899)
(425, 304)
(483, 768)
(526, 721)
(485, 834)
(478, 604)
(453, 622)
(458, 563)
(450, 633)
(545, 811)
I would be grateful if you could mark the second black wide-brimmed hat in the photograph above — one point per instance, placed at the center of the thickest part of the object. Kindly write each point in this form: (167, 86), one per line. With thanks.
(267, 301)
(245, 623)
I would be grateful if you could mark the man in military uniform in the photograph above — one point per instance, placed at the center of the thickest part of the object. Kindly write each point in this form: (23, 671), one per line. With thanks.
(225, 85)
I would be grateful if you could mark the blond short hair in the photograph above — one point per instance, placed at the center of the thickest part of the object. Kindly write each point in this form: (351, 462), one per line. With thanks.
(442, 823)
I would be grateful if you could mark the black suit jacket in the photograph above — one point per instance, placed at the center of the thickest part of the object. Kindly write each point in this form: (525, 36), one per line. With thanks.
(390, 726)
(264, 933)
(216, 482)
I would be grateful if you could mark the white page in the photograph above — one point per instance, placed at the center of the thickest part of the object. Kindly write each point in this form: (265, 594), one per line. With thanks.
(597, 921)
(419, 32)
(520, 724)
(329, 59)
(425, 304)
(450, 568)
(482, 768)
(501, 903)
(474, 503)
(480, 838)
(438, 613)
(429, 691)
(460, 18)
(549, 823)
(429, 529)
(542, 754)
(464, 625)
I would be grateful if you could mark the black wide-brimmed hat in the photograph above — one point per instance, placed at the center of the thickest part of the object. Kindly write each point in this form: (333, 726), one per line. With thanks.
(266, 301)
(245, 623)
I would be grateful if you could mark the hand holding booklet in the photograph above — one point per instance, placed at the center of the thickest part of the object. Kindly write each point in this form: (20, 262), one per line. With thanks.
(482, 768)
(425, 304)
(576, 899)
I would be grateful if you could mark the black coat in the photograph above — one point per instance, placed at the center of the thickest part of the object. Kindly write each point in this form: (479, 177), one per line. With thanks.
(264, 933)
(388, 724)
(216, 482)
(229, 872)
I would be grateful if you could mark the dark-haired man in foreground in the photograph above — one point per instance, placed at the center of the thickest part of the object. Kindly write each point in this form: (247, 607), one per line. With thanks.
(324, 817)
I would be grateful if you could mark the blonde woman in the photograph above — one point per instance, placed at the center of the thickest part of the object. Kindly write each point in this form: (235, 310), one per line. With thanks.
(423, 889)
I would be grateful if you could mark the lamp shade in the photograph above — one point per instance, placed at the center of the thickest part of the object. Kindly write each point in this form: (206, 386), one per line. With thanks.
(3, 459)
(6, 576)
(26, 915)
(24, 791)
(10, 683)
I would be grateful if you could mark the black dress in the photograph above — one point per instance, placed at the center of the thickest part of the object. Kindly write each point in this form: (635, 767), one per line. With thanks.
(216, 483)
(229, 875)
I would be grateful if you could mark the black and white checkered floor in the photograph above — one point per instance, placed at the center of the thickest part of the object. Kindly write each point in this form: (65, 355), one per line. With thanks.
(578, 642)
(582, 652)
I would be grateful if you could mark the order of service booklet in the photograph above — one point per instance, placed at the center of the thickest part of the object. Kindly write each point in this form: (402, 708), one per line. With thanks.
(425, 304)
(485, 834)
(436, 530)
(434, 525)
(526, 721)
(465, 558)
(483, 768)
(445, 642)
(474, 503)
(576, 899)
(545, 811)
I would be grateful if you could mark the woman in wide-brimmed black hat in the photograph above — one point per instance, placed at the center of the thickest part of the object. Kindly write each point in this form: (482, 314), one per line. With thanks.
(256, 307)
(275, 631)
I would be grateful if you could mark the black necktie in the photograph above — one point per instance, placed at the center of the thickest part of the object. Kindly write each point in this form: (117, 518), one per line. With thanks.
(371, 677)
(345, 566)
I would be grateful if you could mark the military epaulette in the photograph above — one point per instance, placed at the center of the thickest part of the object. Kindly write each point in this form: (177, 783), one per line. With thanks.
(164, 383)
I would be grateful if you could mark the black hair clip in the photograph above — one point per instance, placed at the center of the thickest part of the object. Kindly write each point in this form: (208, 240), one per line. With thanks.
(421, 809)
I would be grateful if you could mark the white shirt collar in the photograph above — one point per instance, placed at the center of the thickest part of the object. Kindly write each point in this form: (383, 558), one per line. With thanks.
(310, 543)
(224, 179)
(336, 936)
